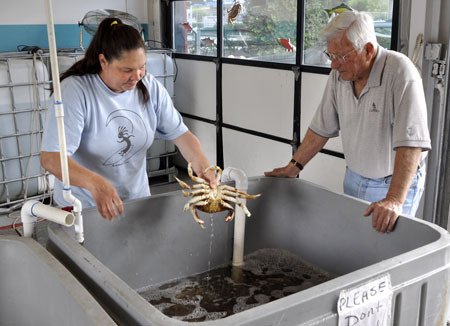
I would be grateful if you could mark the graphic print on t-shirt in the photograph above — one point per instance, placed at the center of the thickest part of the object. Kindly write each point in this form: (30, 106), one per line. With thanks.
(130, 134)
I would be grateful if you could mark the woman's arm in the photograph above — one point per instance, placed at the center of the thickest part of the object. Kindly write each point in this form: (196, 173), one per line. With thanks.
(106, 197)
(192, 151)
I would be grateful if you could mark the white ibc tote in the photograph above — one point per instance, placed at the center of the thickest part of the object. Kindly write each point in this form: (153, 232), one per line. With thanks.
(24, 92)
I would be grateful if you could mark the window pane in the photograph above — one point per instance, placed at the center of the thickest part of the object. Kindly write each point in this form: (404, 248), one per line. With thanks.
(260, 29)
(317, 13)
(195, 27)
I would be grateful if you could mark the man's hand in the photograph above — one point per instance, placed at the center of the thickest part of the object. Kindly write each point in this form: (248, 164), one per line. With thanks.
(384, 214)
(288, 171)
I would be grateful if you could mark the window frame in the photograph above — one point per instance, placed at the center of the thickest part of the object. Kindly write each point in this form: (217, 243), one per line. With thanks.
(298, 68)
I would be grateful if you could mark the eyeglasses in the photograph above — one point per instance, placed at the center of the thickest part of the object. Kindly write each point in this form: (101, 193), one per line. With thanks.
(338, 57)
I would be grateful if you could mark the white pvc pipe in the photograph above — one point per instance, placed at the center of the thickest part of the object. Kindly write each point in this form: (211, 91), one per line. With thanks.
(240, 178)
(59, 113)
(77, 208)
(33, 209)
(59, 109)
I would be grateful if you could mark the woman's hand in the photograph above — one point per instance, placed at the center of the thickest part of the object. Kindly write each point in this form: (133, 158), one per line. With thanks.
(192, 151)
(210, 175)
(106, 197)
(108, 202)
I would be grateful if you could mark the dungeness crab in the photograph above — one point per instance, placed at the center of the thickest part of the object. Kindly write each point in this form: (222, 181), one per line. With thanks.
(209, 200)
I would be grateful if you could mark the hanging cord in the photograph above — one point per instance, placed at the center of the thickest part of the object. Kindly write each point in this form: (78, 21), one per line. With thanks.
(176, 69)
(417, 52)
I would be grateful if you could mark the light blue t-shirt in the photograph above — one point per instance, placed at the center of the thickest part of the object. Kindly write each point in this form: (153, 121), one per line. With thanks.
(109, 133)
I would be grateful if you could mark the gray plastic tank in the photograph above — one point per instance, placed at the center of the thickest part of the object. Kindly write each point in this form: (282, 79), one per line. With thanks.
(156, 242)
(36, 289)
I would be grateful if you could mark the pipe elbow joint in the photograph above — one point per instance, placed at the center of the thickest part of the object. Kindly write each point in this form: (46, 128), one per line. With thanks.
(236, 175)
(33, 209)
(28, 218)
(68, 197)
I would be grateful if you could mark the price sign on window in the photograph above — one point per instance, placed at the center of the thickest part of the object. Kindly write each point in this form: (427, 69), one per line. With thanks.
(366, 305)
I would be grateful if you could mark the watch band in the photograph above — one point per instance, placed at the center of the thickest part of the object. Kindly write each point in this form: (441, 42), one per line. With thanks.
(297, 164)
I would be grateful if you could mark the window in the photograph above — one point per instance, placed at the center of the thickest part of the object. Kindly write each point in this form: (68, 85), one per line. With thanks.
(260, 30)
(318, 12)
(195, 27)
(266, 30)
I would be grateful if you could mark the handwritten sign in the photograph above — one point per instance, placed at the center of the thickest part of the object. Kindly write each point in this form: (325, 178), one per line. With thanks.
(366, 305)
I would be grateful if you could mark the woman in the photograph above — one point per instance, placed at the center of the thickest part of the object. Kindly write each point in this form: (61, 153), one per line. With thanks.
(113, 111)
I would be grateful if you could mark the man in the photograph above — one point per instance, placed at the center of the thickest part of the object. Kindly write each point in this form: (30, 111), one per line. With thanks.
(374, 98)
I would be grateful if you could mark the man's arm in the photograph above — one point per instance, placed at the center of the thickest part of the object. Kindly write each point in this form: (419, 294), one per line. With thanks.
(385, 212)
(311, 145)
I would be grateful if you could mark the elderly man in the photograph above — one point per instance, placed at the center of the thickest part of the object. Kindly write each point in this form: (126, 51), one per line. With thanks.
(374, 98)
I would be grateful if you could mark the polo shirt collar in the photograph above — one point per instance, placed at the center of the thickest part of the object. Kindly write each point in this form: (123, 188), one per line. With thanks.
(376, 73)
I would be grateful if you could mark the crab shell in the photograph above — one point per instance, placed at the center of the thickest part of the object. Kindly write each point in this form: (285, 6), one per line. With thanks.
(209, 200)
(213, 204)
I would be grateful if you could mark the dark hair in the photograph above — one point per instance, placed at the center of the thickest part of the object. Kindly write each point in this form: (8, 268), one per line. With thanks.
(111, 39)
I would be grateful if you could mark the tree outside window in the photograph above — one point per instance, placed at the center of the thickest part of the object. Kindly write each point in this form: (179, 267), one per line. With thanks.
(266, 30)
(318, 12)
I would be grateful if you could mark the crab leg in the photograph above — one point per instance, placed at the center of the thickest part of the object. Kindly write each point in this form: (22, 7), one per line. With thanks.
(244, 208)
(230, 193)
(183, 184)
(218, 171)
(197, 218)
(194, 192)
(200, 186)
(241, 205)
(193, 177)
(230, 216)
(197, 199)
(247, 196)
(230, 188)
(186, 193)
(198, 191)
(237, 193)
(224, 203)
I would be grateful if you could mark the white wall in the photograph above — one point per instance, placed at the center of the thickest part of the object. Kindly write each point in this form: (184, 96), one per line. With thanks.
(65, 11)
(195, 88)
(313, 86)
(254, 155)
(259, 99)
(206, 133)
(195, 93)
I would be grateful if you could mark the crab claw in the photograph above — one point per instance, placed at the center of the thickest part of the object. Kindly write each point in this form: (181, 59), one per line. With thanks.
(230, 216)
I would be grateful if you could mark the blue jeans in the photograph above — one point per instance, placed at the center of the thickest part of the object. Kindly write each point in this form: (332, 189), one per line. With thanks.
(373, 190)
